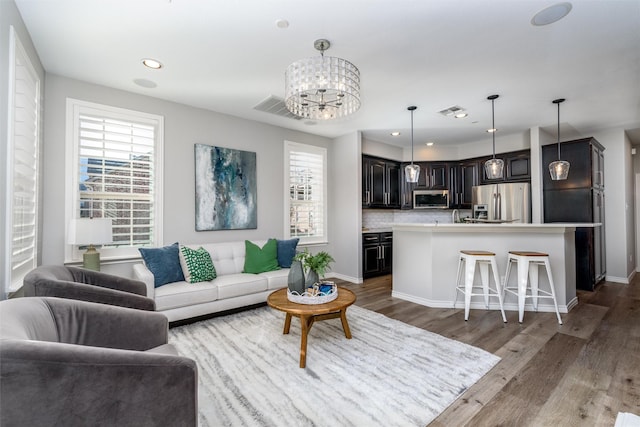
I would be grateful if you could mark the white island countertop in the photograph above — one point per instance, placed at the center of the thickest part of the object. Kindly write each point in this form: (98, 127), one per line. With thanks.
(482, 227)
(425, 259)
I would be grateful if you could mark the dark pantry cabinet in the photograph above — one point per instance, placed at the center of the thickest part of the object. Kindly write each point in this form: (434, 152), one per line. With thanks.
(579, 198)
(380, 183)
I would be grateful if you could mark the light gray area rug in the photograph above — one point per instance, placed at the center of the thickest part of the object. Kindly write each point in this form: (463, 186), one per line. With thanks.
(388, 374)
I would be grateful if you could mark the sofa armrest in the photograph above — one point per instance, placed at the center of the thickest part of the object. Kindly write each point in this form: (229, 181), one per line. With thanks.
(47, 383)
(100, 325)
(143, 274)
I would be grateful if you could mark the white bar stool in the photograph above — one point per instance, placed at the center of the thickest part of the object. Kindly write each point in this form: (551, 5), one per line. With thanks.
(528, 264)
(484, 259)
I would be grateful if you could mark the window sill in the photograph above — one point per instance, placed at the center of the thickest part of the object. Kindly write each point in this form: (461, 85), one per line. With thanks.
(312, 244)
(105, 260)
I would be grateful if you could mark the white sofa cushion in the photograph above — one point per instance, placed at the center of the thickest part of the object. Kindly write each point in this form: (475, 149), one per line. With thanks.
(228, 258)
(276, 279)
(233, 285)
(180, 294)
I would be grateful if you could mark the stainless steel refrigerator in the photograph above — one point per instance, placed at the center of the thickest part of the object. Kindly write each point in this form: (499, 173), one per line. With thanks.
(509, 202)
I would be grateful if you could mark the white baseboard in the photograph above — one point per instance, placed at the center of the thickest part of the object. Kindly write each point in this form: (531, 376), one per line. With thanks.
(616, 279)
(351, 279)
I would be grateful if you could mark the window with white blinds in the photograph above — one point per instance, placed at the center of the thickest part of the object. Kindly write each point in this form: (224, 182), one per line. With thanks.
(116, 174)
(305, 192)
(23, 145)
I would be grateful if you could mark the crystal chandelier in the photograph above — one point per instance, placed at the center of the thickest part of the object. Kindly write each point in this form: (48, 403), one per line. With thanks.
(322, 88)
(493, 167)
(559, 169)
(412, 172)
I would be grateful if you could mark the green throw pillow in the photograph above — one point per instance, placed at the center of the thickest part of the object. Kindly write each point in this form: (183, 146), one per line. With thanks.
(196, 265)
(258, 260)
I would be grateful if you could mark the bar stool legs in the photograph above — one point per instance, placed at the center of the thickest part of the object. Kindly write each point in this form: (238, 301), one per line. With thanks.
(483, 259)
(528, 264)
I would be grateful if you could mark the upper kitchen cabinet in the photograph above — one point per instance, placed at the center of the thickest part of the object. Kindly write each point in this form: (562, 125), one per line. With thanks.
(462, 177)
(586, 159)
(517, 167)
(433, 176)
(438, 174)
(380, 183)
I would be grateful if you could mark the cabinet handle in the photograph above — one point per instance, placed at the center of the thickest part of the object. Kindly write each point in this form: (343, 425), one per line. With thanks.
(370, 238)
(382, 251)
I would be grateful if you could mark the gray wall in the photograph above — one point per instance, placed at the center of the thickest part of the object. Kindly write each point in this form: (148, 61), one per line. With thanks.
(345, 207)
(9, 15)
(184, 126)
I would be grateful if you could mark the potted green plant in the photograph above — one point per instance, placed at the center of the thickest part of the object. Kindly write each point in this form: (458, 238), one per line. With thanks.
(315, 265)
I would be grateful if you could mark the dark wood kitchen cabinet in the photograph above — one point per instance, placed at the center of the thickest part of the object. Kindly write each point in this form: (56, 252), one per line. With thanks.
(517, 167)
(579, 198)
(438, 174)
(462, 177)
(376, 254)
(380, 183)
(433, 176)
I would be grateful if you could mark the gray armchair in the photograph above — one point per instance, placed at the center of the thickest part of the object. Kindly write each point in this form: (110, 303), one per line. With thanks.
(75, 363)
(86, 285)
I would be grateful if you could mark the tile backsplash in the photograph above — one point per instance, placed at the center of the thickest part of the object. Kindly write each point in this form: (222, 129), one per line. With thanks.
(383, 218)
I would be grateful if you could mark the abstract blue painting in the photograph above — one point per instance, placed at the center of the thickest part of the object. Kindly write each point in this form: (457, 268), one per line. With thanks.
(226, 190)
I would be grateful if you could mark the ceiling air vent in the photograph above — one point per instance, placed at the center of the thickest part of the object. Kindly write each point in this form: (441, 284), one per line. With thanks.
(275, 105)
(452, 111)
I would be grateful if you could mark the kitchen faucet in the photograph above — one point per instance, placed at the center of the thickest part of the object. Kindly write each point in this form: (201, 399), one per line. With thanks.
(455, 216)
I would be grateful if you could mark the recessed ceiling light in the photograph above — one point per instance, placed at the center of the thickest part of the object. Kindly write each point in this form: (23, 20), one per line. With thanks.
(551, 14)
(429, 144)
(152, 63)
(492, 130)
(282, 23)
(396, 133)
(461, 115)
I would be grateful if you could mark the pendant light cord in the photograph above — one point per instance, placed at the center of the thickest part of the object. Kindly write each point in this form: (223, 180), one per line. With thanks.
(558, 131)
(493, 126)
(412, 137)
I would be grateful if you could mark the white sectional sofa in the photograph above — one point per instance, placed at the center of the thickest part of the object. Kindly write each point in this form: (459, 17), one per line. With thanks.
(230, 289)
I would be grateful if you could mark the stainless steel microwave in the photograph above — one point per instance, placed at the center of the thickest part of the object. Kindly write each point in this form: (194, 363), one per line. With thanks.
(430, 199)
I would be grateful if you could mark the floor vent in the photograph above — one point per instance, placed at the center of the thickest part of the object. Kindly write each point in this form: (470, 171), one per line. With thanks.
(275, 105)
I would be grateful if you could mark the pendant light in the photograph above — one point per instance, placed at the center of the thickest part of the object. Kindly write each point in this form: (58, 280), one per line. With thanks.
(559, 169)
(412, 172)
(493, 167)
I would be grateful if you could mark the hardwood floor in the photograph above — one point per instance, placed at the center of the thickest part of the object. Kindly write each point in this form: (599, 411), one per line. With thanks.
(580, 373)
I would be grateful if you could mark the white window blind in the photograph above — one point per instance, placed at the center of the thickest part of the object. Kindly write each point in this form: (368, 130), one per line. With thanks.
(306, 192)
(24, 134)
(116, 176)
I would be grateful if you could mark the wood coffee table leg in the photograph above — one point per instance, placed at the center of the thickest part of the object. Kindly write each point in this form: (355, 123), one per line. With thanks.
(345, 324)
(304, 323)
(287, 323)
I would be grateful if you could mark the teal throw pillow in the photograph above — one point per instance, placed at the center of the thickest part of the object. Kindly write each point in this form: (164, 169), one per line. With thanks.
(197, 265)
(259, 260)
(286, 251)
(164, 263)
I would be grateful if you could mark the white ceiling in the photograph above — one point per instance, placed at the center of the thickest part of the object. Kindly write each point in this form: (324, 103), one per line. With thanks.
(228, 56)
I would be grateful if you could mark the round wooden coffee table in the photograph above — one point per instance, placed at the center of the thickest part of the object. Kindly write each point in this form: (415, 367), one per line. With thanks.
(309, 313)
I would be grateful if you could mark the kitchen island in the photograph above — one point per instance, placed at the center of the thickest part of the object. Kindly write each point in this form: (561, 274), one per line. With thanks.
(425, 260)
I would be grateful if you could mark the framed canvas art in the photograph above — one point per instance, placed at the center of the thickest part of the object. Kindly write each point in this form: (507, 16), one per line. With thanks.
(226, 190)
